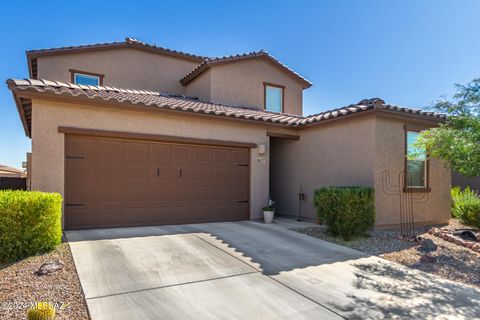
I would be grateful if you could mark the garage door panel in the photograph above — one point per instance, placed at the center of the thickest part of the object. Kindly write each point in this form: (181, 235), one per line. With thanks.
(203, 213)
(220, 193)
(136, 171)
(181, 213)
(181, 153)
(110, 171)
(240, 156)
(109, 192)
(202, 175)
(136, 151)
(135, 192)
(159, 194)
(80, 169)
(79, 193)
(105, 217)
(159, 215)
(239, 193)
(79, 217)
(202, 155)
(110, 149)
(159, 152)
(159, 172)
(136, 216)
(221, 156)
(221, 175)
(202, 194)
(132, 183)
(182, 193)
(181, 173)
(81, 147)
(240, 174)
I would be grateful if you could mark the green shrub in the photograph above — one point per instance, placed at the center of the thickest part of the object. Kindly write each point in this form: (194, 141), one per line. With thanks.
(466, 206)
(348, 212)
(30, 223)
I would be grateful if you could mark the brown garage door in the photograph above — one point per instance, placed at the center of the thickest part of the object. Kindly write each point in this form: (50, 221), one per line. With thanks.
(117, 183)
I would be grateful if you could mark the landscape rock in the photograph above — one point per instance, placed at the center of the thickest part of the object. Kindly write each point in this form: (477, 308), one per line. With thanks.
(465, 234)
(50, 267)
(469, 244)
(428, 258)
(450, 237)
(428, 245)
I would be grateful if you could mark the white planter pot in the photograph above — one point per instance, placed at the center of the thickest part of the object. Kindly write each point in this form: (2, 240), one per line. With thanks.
(268, 216)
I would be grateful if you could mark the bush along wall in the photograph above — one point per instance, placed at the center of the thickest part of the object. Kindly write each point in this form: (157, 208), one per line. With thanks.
(466, 206)
(30, 223)
(348, 212)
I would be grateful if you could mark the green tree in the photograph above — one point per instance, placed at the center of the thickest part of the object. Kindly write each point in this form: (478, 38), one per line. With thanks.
(457, 141)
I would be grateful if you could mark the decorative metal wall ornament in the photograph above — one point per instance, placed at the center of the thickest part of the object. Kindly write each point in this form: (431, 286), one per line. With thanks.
(406, 200)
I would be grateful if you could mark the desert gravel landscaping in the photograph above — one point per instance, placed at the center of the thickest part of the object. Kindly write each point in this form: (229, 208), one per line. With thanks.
(20, 286)
(450, 261)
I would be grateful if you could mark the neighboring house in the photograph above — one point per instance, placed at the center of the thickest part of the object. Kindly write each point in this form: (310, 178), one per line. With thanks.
(6, 171)
(134, 134)
(12, 178)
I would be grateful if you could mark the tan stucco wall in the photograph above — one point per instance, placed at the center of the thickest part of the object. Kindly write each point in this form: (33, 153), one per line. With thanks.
(237, 83)
(354, 151)
(389, 155)
(123, 68)
(201, 87)
(241, 83)
(339, 153)
(48, 144)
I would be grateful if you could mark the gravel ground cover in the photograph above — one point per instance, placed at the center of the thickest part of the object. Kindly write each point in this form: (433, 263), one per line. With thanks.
(19, 287)
(450, 261)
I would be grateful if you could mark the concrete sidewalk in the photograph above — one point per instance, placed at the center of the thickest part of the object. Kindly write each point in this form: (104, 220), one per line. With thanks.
(248, 270)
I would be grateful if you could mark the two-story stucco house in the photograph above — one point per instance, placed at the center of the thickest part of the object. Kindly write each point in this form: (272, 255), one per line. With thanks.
(133, 134)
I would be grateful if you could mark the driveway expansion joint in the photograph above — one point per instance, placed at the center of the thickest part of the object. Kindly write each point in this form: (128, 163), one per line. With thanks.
(171, 285)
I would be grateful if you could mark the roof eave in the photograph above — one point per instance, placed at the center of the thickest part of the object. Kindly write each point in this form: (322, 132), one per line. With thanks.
(31, 94)
(20, 111)
(207, 64)
(411, 115)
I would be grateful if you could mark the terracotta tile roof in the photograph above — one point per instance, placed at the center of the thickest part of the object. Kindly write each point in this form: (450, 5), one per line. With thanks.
(207, 63)
(32, 55)
(128, 43)
(185, 104)
(204, 62)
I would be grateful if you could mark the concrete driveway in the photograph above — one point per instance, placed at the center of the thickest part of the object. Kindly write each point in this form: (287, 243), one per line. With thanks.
(249, 270)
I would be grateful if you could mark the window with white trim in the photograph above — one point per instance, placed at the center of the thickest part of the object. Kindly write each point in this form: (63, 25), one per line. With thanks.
(273, 97)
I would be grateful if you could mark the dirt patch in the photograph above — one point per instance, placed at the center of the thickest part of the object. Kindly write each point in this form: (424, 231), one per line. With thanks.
(449, 261)
(20, 287)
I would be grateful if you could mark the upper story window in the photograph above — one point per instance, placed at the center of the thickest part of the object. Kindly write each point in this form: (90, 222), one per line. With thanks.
(86, 78)
(416, 164)
(274, 95)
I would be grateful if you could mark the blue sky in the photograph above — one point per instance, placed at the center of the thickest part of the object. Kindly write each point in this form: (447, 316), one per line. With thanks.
(407, 52)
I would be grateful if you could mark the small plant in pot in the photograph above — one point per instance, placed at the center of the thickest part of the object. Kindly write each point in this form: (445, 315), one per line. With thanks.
(268, 212)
